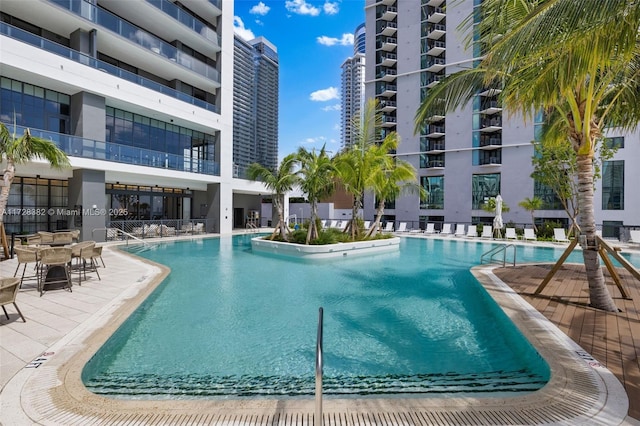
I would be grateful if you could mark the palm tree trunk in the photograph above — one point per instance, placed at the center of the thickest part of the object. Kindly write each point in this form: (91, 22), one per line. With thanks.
(598, 293)
(376, 224)
(8, 176)
(312, 233)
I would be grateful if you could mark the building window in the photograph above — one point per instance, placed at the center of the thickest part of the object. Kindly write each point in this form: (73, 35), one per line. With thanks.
(550, 200)
(614, 143)
(613, 185)
(33, 106)
(434, 187)
(484, 187)
(36, 205)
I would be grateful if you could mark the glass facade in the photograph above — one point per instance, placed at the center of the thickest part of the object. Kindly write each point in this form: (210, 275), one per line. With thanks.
(484, 187)
(140, 202)
(434, 187)
(613, 185)
(32, 106)
(36, 205)
(140, 132)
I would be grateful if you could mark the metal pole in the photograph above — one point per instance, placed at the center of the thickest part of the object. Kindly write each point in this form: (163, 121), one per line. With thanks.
(318, 416)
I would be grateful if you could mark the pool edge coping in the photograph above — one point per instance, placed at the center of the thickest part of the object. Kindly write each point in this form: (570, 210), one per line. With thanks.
(55, 391)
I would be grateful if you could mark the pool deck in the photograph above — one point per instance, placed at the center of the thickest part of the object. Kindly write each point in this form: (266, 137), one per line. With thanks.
(41, 360)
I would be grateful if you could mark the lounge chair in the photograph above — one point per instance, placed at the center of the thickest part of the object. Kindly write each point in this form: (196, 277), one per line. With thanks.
(431, 228)
(510, 234)
(529, 235)
(634, 236)
(367, 224)
(559, 235)
(487, 231)
(8, 292)
(388, 227)
(402, 227)
(472, 231)
(446, 229)
(333, 224)
(459, 230)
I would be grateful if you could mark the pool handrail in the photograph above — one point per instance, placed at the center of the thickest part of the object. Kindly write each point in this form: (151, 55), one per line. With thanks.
(489, 255)
(317, 420)
(117, 230)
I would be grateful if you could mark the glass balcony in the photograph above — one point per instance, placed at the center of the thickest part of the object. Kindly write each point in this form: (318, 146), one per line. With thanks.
(186, 19)
(76, 56)
(138, 36)
(86, 148)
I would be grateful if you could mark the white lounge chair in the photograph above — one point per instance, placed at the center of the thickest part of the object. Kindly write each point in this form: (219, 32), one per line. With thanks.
(634, 236)
(559, 235)
(431, 228)
(323, 224)
(402, 227)
(367, 224)
(472, 231)
(487, 231)
(459, 230)
(333, 224)
(388, 227)
(530, 235)
(510, 234)
(446, 229)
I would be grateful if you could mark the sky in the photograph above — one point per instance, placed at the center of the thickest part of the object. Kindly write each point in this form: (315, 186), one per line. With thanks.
(313, 39)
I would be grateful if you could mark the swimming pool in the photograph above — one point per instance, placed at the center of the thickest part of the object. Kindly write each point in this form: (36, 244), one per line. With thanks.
(230, 323)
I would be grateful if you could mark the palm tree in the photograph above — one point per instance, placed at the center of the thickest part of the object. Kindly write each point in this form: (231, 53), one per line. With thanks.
(531, 205)
(18, 150)
(391, 178)
(357, 163)
(317, 181)
(579, 62)
(279, 182)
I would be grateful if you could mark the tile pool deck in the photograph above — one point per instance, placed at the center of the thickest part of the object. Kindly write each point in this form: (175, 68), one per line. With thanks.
(68, 327)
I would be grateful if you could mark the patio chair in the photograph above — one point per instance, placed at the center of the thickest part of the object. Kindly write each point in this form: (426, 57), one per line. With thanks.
(402, 227)
(8, 292)
(83, 254)
(459, 230)
(62, 238)
(53, 270)
(446, 229)
(367, 224)
(388, 227)
(45, 237)
(97, 254)
(634, 236)
(26, 255)
(472, 231)
(559, 235)
(333, 224)
(510, 234)
(431, 228)
(487, 231)
(530, 235)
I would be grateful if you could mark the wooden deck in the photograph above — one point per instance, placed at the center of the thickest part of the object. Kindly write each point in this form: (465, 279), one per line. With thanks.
(612, 338)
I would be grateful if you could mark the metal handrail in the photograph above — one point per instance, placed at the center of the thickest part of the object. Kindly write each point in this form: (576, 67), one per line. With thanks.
(318, 416)
(122, 232)
(489, 255)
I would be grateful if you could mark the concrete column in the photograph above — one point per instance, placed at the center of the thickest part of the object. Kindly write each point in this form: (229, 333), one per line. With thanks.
(87, 199)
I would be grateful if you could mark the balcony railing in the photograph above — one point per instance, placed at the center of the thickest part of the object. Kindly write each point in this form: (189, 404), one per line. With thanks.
(106, 151)
(58, 49)
(184, 18)
(138, 36)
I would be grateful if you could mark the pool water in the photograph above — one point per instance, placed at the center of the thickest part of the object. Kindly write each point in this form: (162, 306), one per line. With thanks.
(231, 323)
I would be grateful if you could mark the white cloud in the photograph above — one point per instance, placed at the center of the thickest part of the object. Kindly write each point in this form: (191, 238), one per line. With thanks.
(238, 28)
(331, 8)
(336, 107)
(311, 141)
(301, 7)
(260, 9)
(346, 40)
(324, 94)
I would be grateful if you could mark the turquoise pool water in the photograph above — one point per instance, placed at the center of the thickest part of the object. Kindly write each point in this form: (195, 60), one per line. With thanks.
(231, 323)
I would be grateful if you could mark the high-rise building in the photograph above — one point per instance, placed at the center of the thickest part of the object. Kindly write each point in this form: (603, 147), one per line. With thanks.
(139, 95)
(479, 151)
(352, 85)
(255, 104)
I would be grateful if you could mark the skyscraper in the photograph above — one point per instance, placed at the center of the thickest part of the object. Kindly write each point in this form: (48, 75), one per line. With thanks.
(146, 122)
(477, 152)
(352, 85)
(255, 103)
